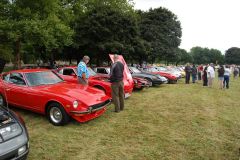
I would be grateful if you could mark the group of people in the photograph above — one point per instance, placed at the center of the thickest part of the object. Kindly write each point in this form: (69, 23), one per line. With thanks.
(207, 74)
(116, 80)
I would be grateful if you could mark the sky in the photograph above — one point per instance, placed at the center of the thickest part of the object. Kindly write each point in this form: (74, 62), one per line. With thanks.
(205, 23)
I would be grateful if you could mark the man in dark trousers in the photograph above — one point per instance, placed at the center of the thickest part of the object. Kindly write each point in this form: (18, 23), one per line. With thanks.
(188, 73)
(117, 86)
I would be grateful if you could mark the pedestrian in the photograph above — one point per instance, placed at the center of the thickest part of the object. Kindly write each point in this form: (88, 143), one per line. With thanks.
(211, 75)
(221, 76)
(194, 73)
(188, 73)
(117, 86)
(204, 76)
(227, 73)
(200, 70)
(235, 72)
(82, 71)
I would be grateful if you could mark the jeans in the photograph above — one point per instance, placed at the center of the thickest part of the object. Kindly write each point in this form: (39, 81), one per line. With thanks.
(226, 82)
(194, 78)
(187, 78)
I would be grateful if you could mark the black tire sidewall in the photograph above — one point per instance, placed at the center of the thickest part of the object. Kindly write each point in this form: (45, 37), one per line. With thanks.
(65, 116)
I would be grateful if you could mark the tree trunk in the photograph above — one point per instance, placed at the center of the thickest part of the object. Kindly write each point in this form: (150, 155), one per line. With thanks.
(18, 55)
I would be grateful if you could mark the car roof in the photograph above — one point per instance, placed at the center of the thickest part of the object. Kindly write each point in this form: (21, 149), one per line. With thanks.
(29, 70)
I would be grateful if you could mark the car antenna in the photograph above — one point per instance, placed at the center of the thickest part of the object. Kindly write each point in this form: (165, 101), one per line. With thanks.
(2, 65)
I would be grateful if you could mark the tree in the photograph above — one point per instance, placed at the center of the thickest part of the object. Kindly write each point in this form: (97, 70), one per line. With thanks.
(103, 30)
(182, 57)
(232, 56)
(205, 56)
(161, 28)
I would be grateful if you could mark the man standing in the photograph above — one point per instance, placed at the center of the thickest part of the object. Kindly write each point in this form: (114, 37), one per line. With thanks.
(211, 75)
(117, 86)
(82, 71)
(188, 72)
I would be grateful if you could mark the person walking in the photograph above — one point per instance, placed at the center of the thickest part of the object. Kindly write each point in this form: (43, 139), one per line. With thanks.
(204, 76)
(82, 71)
(194, 73)
(117, 86)
(221, 76)
(188, 73)
(227, 73)
(211, 75)
(235, 72)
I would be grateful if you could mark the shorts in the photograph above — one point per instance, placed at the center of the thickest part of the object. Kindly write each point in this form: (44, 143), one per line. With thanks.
(221, 78)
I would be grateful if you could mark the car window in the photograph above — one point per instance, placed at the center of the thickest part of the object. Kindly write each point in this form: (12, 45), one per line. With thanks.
(102, 71)
(60, 71)
(15, 78)
(42, 78)
(68, 72)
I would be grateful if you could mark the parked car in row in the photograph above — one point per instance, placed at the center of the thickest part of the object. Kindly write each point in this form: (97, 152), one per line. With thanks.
(44, 92)
(170, 70)
(99, 81)
(14, 139)
(153, 79)
(171, 77)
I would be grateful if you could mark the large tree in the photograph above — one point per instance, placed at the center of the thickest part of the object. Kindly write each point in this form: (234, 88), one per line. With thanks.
(232, 56)
(37, 23)
(161, 28)
(103, 30)
(205, 55)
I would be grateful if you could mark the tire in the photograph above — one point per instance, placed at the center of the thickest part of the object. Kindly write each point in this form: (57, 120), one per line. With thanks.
(150, 81)
(57, 115)
(2, 101)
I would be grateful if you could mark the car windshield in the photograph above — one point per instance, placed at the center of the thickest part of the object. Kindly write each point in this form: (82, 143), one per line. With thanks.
(153, 70)
(135, 70)
(91, 72)
(42, 78)
(162, 69)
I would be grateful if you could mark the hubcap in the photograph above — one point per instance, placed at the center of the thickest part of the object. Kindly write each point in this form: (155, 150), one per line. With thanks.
(55, 114)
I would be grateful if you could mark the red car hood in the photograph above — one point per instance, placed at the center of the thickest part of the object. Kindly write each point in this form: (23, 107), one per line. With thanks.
(127, 78)
(85, 94)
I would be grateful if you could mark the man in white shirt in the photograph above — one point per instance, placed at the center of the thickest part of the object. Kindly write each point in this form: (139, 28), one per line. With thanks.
(210, 74)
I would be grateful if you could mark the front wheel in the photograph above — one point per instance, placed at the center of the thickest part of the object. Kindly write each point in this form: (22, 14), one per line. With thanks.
(57, 115)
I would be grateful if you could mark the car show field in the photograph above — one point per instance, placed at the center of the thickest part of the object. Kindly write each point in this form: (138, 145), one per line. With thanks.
(172, 122)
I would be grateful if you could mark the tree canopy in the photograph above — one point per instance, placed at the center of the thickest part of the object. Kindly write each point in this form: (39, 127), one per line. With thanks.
(232, 56)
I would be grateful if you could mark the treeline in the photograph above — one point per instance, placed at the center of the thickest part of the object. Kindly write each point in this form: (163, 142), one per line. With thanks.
(68, 29)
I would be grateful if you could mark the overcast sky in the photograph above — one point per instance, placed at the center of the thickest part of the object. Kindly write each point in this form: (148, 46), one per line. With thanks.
(205, 23)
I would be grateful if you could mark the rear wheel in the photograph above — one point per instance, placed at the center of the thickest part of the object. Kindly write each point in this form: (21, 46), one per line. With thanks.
(150, 81)
(57, 115)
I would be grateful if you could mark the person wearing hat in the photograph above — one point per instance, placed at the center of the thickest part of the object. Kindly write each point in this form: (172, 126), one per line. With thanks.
(82, 71)
(117, 86)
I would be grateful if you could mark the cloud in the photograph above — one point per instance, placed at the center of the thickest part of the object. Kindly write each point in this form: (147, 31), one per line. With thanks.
(205, 23)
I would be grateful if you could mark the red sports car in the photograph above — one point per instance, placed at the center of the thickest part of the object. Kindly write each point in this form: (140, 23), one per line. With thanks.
(171, 78)
(44, 92)
(99, 81)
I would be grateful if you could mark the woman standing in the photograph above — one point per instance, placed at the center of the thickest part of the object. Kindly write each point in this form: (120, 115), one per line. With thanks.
(221, 76)
(194, 73)
(227, 73)
(204, 77)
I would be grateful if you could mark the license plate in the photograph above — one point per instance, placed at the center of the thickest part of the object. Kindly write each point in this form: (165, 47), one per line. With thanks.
(127, 95)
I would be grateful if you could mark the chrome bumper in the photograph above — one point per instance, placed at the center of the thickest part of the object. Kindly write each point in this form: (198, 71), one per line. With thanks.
(90, 109)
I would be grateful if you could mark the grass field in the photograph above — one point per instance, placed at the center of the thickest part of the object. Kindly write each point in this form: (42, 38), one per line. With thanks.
(167, 122)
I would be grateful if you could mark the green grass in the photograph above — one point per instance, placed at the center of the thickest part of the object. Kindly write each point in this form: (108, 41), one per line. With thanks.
(168, 122)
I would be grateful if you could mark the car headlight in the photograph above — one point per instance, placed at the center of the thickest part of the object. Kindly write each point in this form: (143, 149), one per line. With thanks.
(10, 131)
(75, 104)
(22, 149)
